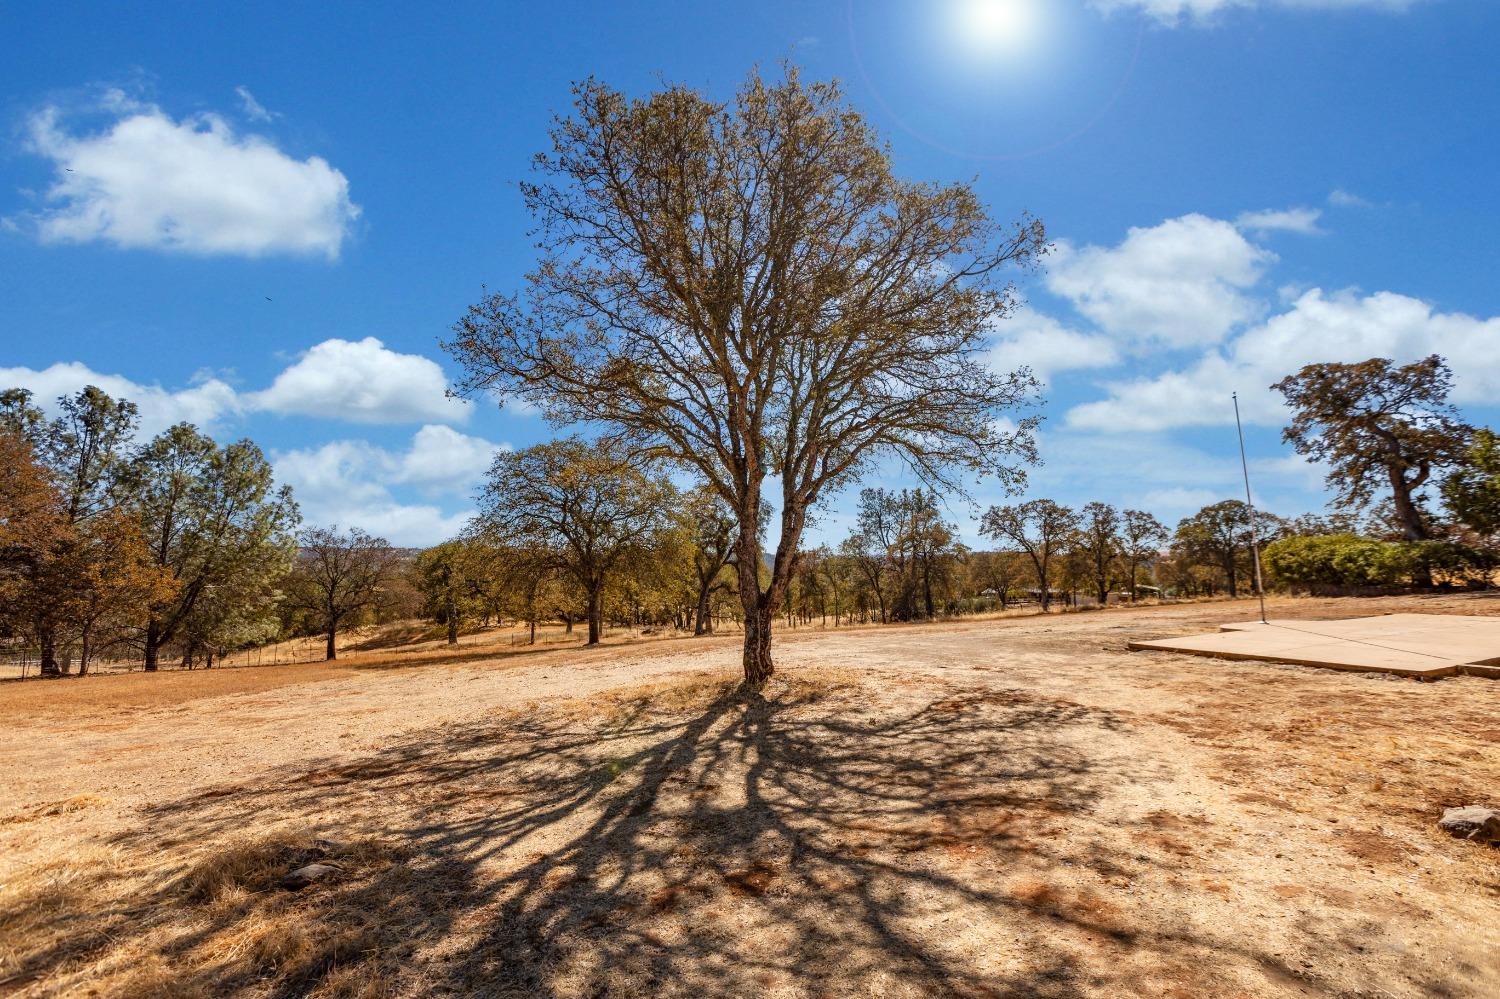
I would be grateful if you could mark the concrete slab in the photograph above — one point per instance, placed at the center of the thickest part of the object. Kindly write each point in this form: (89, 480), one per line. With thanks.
(1418, 645)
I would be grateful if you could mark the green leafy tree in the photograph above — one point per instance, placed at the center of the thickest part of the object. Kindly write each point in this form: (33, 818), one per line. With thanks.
(746, 289)
(236, 611)
(444, 575)
(213, 517)
(1306, 561)
(1472, 491)
(1220, 535)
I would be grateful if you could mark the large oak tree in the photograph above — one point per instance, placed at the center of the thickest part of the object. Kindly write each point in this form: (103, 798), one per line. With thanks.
(1378, 427)
(746, 289)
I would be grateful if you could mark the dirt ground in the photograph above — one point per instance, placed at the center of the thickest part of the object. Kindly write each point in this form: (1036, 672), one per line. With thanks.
(1017, 807)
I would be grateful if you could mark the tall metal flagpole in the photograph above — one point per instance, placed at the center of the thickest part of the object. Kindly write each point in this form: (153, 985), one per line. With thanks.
(1260, 588)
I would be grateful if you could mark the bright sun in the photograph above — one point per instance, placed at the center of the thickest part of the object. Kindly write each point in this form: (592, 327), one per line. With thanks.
(998, 25)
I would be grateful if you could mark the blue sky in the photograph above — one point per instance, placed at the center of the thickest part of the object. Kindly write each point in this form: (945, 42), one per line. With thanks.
(263, 219)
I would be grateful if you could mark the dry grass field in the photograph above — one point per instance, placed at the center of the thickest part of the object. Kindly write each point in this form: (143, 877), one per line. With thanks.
(1016, 807)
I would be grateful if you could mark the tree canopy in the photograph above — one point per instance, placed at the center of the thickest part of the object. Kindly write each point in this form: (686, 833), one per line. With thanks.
(583, 507)
(1040, 528)
(1378, 427)
(746, 289)
(1472, 491)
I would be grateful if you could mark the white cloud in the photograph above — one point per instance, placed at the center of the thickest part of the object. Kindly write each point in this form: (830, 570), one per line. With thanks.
(350, 482)
(202, 402)
(1341, 198)
(1179, 284)
(362, 381)
(1292, 469)
(1047, 347)
(1320, 327)
(1171, 505)
(357, 381)
(1177, 12)
(194, 186)
(442, 458)
(254, 109)
(1298, 220)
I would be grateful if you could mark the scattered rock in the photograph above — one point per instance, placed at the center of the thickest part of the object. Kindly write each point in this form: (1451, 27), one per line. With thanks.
(304, 876)
(1475, 822)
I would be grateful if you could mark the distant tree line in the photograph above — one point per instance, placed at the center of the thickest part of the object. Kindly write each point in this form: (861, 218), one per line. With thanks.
(181, 546)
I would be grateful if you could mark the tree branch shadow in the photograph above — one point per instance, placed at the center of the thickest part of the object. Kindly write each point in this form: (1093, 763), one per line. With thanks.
(824, 838)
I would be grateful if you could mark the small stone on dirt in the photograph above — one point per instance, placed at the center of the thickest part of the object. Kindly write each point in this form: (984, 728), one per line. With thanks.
(304, 876)
(1475, 822)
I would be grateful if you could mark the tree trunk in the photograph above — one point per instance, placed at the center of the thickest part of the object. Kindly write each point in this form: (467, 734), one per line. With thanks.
(757, 651)
(1412, 527)
(703, 624)
(533, 632)
(452, 627)
(153, 644)
(332, 651)
(596, 615)
(49, 665)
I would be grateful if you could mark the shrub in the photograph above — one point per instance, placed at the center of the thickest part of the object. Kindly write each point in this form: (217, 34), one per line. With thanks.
(1336, 560)
(1348, 560)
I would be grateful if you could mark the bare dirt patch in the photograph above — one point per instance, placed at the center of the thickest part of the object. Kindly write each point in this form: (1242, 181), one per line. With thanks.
(985, 809)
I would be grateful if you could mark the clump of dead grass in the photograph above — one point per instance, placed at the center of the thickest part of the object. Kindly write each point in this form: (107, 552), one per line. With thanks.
(255, 864)
(110, 921)
(48, 809)
(64, 910)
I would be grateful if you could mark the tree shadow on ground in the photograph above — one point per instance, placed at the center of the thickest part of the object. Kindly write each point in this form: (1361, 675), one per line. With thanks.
(829, 839)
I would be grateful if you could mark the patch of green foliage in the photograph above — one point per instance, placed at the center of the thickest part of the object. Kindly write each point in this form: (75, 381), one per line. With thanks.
(1349, 560)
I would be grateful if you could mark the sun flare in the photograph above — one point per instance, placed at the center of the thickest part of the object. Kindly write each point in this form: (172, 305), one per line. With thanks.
(998, 25)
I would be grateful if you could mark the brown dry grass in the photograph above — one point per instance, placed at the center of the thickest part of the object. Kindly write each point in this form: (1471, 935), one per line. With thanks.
(124, 922)
(990, 810)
